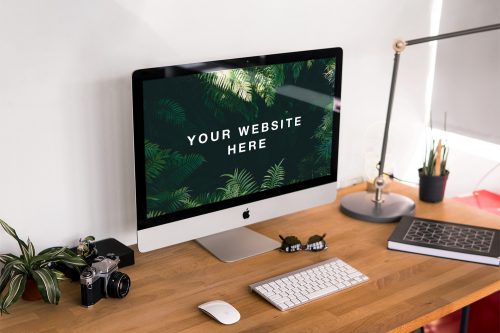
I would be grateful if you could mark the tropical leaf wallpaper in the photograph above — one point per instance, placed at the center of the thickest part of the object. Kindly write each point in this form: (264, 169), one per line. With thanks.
(226, 134)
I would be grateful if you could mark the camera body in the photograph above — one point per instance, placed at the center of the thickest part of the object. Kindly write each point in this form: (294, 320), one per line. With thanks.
(103, 279)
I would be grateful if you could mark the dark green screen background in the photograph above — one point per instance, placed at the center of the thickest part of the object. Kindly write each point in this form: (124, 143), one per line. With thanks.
(180, 176)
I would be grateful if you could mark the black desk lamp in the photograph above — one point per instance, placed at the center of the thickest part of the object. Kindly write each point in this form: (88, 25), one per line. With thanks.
(390, 207)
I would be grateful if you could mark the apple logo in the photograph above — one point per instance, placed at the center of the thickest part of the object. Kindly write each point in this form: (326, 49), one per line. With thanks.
(246, 214)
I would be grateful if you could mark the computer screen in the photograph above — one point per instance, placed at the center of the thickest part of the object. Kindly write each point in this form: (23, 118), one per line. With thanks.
(216, 135)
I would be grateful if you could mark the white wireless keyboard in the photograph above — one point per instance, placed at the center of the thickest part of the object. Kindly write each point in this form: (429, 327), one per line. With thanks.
(295, 288)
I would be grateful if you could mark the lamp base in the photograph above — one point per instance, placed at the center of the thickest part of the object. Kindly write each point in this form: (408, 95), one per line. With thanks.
(360, 205)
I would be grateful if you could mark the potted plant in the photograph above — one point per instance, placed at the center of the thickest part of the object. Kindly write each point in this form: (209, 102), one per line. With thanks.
(37, 268)
(433, 175)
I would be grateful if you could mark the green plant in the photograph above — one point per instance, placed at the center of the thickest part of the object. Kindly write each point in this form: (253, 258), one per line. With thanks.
(17, 269)
(435, 160)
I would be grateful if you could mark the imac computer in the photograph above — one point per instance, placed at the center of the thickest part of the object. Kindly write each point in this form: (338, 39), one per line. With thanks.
(223, 144)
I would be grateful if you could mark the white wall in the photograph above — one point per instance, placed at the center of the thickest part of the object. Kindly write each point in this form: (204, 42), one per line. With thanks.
(467, 76)
(66, 159)
(466, 87)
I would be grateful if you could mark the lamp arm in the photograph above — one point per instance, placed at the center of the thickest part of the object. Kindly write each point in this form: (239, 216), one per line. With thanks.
(453, 34)
(379, 182)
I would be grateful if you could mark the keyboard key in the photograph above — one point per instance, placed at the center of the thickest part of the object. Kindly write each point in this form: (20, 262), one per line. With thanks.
(322, 292)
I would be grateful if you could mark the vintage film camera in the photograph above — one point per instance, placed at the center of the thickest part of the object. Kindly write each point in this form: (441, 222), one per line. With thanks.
(102, 279)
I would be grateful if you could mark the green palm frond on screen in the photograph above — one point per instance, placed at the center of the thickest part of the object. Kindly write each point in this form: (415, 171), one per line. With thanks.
(171, 111)
(237, 90)
(296, 69)
(169, 201)
(274, 177)
(330, 71)
(220, 101)
(324, 149)
(239, 183)
(167, 169)
(203, 199)
(179, 167)
(265, 81)
(154, 213)
(324, 134)
(207, 198)
(190, 203)
(155, 160)
(234, 81)
(172, 165)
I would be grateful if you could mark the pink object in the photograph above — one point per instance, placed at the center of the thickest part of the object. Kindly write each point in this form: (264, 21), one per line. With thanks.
(482, 199)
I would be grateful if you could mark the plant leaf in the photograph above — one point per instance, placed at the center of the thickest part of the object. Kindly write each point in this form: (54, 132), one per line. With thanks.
(75, 260)
(31, 249)
(4, 278)
(57, 250)
(16, 288)
(430, 162)
(8, 229)
(47, 284)
(5, 258)
(47, 256)
(12, 232)
(11, 268)
(49, 249)
(88, 239)
(59, 275)
(445, 158)
(18, 265)
(58, 255)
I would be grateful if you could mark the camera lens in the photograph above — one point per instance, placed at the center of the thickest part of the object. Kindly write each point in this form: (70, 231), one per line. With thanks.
(118, 285)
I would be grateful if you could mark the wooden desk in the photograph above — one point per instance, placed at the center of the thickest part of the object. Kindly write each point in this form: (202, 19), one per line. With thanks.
(405, 291)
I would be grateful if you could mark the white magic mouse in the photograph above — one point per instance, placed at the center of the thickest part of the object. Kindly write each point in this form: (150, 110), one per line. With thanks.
(221, 311)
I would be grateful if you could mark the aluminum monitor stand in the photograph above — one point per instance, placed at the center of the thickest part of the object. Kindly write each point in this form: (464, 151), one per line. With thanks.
(237, 244)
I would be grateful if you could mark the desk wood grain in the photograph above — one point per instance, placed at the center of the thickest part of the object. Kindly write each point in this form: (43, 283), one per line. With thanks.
(405, 291)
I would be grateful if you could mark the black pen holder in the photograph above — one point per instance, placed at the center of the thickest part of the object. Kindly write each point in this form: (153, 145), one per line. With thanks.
(432, 188)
